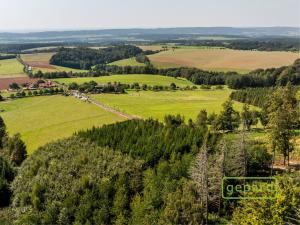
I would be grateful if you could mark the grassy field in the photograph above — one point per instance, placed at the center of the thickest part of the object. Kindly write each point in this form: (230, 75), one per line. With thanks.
(40, 61)
(222, 59)
(127, 62)
(130, 79)
(157, 104)
(11, 68)
(44, 119)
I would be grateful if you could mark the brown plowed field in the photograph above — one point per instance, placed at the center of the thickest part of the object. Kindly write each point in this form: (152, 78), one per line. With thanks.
(5, 82)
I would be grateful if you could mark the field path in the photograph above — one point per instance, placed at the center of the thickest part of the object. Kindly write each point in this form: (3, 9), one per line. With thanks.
(108, 108)
(112, 110)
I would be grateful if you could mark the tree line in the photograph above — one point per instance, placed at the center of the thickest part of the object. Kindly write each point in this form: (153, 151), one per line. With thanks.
(259, 44)
(2, 57)
(117, 87)
(253, 96)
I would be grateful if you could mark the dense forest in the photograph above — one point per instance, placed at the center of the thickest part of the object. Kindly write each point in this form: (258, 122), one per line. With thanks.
(85, 58)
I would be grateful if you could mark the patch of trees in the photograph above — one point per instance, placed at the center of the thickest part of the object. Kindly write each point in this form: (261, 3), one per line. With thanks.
(85, 58)
(148, 140)
(253, 96)
(142, 58)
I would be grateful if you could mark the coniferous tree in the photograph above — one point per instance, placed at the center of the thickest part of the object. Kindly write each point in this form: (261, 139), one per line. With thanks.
(16, 149)
(282, 114)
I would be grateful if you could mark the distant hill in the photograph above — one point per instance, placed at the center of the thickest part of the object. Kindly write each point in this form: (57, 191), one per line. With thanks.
(154, 34)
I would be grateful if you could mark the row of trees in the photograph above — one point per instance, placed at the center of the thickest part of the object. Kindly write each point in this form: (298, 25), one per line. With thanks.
(41, 92)
(117, 87)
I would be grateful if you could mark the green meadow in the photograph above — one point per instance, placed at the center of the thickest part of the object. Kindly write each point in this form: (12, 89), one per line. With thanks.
(147, 104)
(11, 68)
(130, 79)
(40, 120)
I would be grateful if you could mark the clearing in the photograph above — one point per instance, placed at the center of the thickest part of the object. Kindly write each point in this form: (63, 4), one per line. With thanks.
(43, 119)
(11, 68)
(222, 59)
(130, 79)
(127, 62)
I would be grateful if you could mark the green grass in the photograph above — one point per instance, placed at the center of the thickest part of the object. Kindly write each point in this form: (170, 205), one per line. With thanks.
(58, 69)
(129, 79)
(11, 68)
(43, 119)
(157, 104)
(127, 62)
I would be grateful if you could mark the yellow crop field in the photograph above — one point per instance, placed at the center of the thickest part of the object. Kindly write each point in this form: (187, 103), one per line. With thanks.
(222, 59)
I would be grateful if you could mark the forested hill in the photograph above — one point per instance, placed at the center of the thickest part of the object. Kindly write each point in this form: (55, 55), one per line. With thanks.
(85, 58)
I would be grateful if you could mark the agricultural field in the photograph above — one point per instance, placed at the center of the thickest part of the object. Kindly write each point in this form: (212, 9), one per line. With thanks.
(127, 62)
(5, 82)
(130, 79)
(11, 68)
(222, 59)
(150, 47)
(147, 104)
(40, 61)
(40, 120)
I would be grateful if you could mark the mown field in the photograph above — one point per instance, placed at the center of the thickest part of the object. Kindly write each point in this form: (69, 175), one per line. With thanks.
(44, 119)
(11, 68)
(40, 61)
(222, 59)
(130, 79)
(147, 104)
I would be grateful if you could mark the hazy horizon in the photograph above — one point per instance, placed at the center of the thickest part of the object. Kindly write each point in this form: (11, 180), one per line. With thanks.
(55, 15)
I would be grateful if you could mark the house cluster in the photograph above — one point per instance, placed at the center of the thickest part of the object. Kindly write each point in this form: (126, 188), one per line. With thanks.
(77, 94)
(41, 85)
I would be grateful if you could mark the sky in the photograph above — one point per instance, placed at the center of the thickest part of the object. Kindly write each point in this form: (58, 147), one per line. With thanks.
(38, 15)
